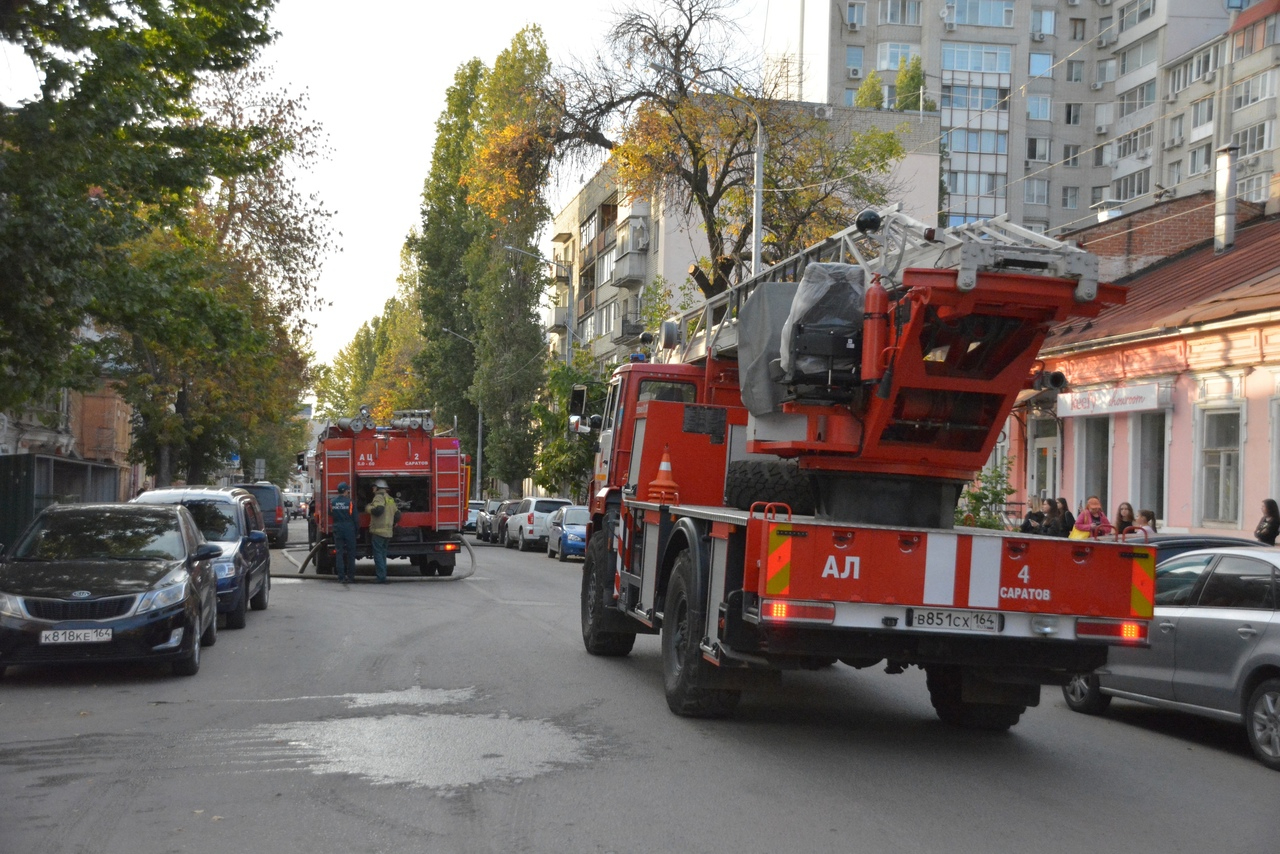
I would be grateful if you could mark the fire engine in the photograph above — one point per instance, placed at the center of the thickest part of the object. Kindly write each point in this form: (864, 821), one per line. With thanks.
(778, 490)
(424, 474)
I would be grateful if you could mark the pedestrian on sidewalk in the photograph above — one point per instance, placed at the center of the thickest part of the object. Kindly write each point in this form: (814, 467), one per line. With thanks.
(344, 534)
(1269, 524)
(382, 526)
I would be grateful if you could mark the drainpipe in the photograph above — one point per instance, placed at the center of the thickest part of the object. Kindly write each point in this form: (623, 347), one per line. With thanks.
(1224, 201)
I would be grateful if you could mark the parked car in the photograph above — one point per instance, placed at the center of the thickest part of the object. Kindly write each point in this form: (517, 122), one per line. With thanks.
(485, 519)
(230, 517)
(502, 517)
(1214, 647)
(274, 517)
(473, 516)
(567, 531)
(109, 582)
(527, 524)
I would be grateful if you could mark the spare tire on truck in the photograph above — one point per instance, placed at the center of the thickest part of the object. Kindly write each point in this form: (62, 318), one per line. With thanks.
(750, 481)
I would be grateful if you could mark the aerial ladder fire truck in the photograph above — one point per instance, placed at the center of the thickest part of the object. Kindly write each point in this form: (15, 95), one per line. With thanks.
(779, 490)
(423, 472)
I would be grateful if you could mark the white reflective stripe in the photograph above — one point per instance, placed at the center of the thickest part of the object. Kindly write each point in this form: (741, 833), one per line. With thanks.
(940, 569)
(984, 573)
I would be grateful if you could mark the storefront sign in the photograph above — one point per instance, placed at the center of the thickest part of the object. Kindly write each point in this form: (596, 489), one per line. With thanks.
(1108, 401)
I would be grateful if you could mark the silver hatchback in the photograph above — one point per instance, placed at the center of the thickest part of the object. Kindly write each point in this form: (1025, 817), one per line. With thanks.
(1215, 647)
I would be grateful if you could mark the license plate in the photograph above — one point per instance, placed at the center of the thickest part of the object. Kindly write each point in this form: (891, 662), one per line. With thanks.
(944, 620)
(76, 636)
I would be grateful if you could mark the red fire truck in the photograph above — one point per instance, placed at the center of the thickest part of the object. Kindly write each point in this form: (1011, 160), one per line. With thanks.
(780, 492)
(424, 474)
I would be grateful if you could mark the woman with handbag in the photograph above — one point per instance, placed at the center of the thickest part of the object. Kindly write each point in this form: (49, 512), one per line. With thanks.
(1092, 522)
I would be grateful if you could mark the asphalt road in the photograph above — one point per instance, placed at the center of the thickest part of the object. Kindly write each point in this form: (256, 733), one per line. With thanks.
(463, 715)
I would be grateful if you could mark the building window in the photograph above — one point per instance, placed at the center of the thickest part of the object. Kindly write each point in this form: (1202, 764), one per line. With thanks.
(1173, 173)
(1038, 107)
(1042, 21)
(1096, 441)
(890, 55)
(1150, 458)
(1253, 38)
(1071, 198)
(1075, 70)
(1220, 466)
(857, 14)
(1036, 191)
(984, 13)
(1195, 68)
(1071, 155)
(849, 96)
(1253, 90)
(977, 141)
(1142, 95)
(1038, 148)
(975, 98)
(900, 12)
(1200, 159)
(975, 184)
(1096, 195)
(1134, 142)
(1077, 29)
(1131, 14)
(961, 56)
(1106, 70)
(1253, 189)
(1175, 126)
(1073, 113)
(1102, 154)
(853, 57)
(1252, 140)
(1133, 185)
(1143, 53)
(1202, 112)
(1040, 65)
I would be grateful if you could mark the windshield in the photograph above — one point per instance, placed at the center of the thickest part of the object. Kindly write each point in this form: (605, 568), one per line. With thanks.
(99, 533)
(216, 521)
(576, 516)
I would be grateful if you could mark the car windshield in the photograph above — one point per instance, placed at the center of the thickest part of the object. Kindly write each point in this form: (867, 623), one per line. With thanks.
(547, 506)
(216, 521)
(576, 516)
(103, 533)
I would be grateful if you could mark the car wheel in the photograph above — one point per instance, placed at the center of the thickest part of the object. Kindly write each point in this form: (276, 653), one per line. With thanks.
(597, 577)
(682, 665)
(444, 571)
(559, 552)
(549, 554)
(189, 665)
(507, 541)
(522, 544)
(236, 617)
(210, 635)
(262, 598)
(1084, 695)
(1262, 718)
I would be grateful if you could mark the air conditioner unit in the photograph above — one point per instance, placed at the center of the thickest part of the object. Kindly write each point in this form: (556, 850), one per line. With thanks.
(1102, 129)
(855, 73)
(1170, 143)
(950, 26)
(854, 26)
(1177, 140)
(1104, 2)
(1104, 40)
(822, 111)
(1037, 37)
(1143, 155)
(1208, 76)
(1095, 86)
(1170, 98)
(1248, 163)
(1073, 2)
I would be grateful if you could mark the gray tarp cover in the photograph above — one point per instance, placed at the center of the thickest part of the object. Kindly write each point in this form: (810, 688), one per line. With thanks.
(831, 297)
(759, 340)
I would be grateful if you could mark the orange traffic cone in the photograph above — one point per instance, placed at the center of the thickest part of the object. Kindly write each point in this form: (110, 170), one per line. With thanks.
(663, 488)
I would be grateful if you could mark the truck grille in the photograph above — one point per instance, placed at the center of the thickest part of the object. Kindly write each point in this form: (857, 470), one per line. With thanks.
(95, 609)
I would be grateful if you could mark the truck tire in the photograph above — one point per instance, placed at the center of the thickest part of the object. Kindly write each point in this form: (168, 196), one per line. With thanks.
(597, 577)
(944, 683)
(324, 559)
(682, 663)
(1083, 695)
(749, 481)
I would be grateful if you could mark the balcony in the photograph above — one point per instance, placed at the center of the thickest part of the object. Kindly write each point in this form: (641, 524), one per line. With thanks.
(560, 319)
(629, 330)
(605, 240)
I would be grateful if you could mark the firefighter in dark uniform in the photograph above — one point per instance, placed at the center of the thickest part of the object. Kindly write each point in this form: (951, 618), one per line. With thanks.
(344, 533)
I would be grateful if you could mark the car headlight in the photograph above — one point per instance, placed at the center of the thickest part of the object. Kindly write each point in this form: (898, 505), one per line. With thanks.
(574, 538)
(10, 606)
(225, 568)
(172, 591)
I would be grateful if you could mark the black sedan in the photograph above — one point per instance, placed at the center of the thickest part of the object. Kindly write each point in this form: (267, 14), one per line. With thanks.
(109, 582)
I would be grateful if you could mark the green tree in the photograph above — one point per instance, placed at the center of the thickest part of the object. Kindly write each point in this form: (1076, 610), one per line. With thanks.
(982, 504)
(342, 387)
(564, 459)
(870, 95)
(106, 150)
(910, 85)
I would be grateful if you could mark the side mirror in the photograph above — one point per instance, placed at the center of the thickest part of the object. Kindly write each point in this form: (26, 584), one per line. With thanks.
(578, 400)
(257, 536)
(207, 551)
(577, 424)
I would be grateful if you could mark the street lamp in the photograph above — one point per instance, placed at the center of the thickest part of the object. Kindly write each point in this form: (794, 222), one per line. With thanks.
(479, 421)
(757, 200)
(568, 275)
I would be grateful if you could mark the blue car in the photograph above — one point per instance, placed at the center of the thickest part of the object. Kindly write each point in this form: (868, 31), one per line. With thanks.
(567, 531)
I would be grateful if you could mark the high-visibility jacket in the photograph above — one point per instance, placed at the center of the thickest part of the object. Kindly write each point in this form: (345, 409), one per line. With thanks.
(383, 525)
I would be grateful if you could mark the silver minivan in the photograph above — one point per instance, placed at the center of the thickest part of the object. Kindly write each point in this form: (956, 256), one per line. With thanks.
(527, 524)
(1215, 647)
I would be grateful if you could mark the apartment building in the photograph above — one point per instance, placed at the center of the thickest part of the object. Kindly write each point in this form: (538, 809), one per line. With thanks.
(1055, 111)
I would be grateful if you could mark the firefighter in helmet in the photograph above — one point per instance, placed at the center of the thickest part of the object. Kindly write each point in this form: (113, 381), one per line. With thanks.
(382, 515)
(343, 515)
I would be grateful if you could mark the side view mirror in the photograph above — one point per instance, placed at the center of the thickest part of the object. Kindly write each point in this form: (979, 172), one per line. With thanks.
(257, 536)
(207, 551)
(578, 424)
(578, 400)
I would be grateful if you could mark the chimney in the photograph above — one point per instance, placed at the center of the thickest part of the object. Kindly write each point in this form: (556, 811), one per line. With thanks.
(1224, 202)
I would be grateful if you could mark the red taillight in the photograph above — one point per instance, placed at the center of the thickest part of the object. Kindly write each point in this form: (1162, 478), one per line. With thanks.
(530, 518)
(1128, 632)
(279, 513)
(787, 611)
(449, 547)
